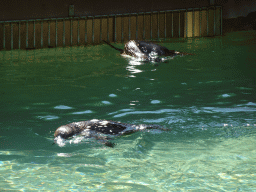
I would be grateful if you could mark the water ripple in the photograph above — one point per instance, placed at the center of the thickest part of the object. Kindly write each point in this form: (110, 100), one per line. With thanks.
(148, 112)
(62, 107)
(82, 112)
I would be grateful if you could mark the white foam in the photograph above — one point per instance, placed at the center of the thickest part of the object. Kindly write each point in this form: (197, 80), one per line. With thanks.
(104, 123)
(76, 140)
(64, 154)
(60, 141)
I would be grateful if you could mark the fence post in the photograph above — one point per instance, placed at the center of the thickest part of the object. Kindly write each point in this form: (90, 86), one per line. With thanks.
(49, 33)
(63, 44)
(56, 33)
(172, 23)
(151, 23)
(92, 29)
(85, 30)
(78, 32)
(19, 34)
(144, 32)
(11, 36)
(34, 34)
(71, 31)
(115, 28)
(42, 34)
(165, 25)
(158, 25)
(27, 34)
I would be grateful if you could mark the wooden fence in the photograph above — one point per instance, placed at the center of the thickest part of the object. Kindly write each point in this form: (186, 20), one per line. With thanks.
(75, 31)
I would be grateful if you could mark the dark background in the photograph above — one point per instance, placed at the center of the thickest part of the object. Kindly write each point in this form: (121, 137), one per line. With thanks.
(37, 9)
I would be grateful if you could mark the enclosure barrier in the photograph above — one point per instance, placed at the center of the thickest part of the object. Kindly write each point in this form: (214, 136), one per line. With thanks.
(75, 31)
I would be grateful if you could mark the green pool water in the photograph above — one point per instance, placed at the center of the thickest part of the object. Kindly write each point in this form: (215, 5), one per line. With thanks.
(206, 101)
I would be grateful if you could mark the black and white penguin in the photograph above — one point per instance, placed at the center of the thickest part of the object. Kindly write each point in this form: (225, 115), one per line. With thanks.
(98, 129)
(146, 51)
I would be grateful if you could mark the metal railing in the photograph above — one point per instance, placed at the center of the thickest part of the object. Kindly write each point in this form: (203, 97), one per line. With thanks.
(72, 31)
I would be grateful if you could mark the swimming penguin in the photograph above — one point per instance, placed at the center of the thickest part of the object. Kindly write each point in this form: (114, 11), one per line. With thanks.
(146, 51)
(99, 129)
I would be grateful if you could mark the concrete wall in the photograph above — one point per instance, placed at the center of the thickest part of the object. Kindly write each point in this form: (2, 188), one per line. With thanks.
(38, 9)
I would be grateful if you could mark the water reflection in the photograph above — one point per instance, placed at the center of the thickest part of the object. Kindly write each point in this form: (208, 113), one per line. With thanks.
(106, 102)
(136, 66)
(112, 95)
(133, 62)
(147, 112)
(155, 101)
(82, 112)
(132, 69)
(48, 117)
(62, 107)
(227, 110)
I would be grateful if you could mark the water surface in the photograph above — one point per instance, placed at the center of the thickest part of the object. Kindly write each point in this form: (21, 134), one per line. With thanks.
(206, 101)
